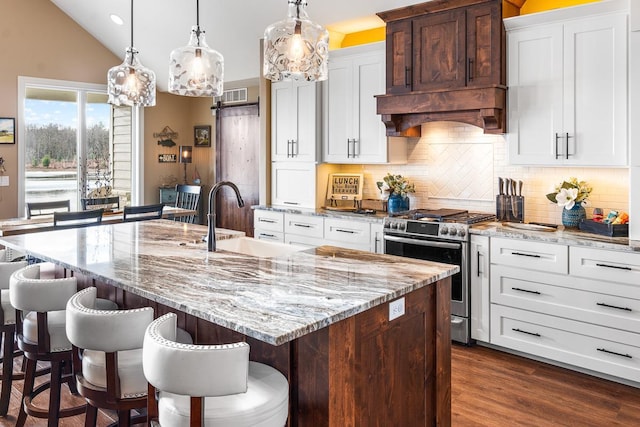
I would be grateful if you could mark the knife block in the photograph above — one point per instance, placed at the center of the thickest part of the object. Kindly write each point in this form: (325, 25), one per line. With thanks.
(509, 208)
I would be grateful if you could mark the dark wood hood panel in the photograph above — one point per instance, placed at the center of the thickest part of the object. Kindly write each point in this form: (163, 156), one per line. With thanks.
(483, 107)
(445, 61)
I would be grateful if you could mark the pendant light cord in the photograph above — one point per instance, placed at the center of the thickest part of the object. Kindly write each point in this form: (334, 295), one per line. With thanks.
(198, 14)
(132, 24)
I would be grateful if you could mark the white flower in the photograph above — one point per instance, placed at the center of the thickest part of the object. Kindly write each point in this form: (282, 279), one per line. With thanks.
(566, 197)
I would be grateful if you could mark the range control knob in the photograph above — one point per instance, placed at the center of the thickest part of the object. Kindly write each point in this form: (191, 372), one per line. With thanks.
(402, 226)
(462, 232)
(387, 225)
(394, 225)
(444, 229)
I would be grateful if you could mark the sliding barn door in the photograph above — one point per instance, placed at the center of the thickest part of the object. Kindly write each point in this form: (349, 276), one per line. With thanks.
(237, 145)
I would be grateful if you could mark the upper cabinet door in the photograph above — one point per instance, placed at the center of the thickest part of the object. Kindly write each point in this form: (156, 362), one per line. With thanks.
(399, 56)
(295, 117)
(484, 45)
(568, 88)
(439, 54)
(595, 91)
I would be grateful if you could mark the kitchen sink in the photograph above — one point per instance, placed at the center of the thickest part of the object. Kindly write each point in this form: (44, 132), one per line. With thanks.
(529, 226)
(257, 247)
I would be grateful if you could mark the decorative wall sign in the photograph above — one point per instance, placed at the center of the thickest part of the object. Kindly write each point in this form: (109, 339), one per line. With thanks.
(344, 186)
(167, 158)
(7, 130)
(202, 136)
(166, 137)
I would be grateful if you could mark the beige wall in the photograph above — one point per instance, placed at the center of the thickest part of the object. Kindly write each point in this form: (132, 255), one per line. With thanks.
(38, 40)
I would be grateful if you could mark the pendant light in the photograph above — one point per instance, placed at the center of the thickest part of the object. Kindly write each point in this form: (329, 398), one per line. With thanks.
(296, 48)
(131, 83)
(196, 69)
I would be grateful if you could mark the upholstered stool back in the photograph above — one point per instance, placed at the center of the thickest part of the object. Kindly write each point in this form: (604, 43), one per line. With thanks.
(104, 340)
(7, 312)
(238, 392)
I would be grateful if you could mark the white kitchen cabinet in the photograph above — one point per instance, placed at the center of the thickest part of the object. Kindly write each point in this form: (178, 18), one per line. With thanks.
(295, 121)
(293, 184)
(268, 225)
(479, 282)
(567, 78)
(353, 132)
(347, 233)
(571, 304)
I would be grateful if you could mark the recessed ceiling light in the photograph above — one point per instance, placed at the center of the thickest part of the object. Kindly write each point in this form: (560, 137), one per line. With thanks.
(116, 19)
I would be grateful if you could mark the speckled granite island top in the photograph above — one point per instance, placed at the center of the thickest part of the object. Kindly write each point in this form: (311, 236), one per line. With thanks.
(571, 237)
(275, 300)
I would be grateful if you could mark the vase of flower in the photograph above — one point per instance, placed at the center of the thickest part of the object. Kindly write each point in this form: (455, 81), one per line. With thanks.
(398, 188)
(572, 217)
(397, 203)
(572, 196)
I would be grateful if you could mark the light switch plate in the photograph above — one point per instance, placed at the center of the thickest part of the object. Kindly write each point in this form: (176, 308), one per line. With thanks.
(4, 181)
(396, 309)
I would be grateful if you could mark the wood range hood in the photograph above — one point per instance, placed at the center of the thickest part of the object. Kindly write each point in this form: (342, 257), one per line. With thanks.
(445, 61)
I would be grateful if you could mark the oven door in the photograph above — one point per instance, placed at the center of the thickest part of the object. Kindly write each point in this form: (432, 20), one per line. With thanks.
(449, 252)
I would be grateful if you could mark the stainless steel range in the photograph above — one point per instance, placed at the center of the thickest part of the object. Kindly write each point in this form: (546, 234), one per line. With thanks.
(440, 235)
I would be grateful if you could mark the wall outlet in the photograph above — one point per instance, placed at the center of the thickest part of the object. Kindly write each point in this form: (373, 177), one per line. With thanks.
(396, 309)
(4, 181)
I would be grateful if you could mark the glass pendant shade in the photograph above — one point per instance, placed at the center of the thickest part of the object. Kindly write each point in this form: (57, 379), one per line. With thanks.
(296, 48)
(131, 83)
(196, 69)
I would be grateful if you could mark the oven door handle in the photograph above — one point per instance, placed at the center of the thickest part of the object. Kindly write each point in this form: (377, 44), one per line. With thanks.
(417, 242)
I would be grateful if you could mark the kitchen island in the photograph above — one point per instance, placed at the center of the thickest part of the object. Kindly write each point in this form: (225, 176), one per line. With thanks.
(363, 339)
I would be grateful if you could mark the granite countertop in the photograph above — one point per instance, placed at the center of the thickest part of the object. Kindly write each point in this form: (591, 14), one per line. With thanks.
(375, 218)
(571, 237)
(271, 299)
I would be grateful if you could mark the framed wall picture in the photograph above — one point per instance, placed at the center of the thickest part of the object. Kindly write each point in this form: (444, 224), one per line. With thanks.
(202, 136)
(7, 130)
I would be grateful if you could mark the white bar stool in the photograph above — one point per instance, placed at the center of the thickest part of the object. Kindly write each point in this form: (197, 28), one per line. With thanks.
(41, 335)
(107, 356)
(209, 384)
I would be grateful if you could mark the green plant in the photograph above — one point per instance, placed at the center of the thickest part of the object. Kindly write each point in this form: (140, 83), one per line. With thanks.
(396, 184)
(571, 192)
(46, 161)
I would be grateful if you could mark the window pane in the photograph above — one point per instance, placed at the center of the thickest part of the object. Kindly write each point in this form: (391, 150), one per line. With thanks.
(51, 120)
(99, 156)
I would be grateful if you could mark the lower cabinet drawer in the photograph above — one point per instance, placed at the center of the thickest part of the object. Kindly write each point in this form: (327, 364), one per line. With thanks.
(268, 220)
(611, 305)
(273, 236)
(304, 225)
(310, 242)
(588, 346)
(550, 257)
(353, 233)
(612, 266)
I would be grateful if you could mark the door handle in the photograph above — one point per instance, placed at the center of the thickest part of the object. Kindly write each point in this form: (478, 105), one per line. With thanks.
(407, 77)
(470, 69)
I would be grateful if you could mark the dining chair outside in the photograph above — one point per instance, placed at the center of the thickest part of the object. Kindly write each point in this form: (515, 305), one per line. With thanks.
(112, 202)
(62, 220)
(142, 213)
(47, 208)
(188, 197)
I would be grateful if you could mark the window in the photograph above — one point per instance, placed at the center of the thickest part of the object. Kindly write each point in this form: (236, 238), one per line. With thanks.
(73, 143)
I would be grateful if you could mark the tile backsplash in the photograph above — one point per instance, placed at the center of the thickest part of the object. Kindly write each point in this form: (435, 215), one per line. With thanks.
(456, 165)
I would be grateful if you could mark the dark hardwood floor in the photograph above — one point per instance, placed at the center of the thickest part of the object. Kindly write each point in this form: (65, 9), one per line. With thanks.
(494, 389)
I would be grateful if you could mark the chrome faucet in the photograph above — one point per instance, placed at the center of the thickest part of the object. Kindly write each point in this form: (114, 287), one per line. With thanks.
(211, 216)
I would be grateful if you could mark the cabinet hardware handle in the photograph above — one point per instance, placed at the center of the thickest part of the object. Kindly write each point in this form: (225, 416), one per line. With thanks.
(339, 230)
(356, 154)
(470, 68)
(557, 153)
(268, 235)
(375, 244)
(295, 224)
(604, 350)
(617, 267)
(407, 77)
(522, 254)
(270, 221)
(288, 148)
(478, 256)
(566, 144)
(294, 144)
(291, 203)
(348, 148)
(527, 291)
(601, 304)
(535, 334)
